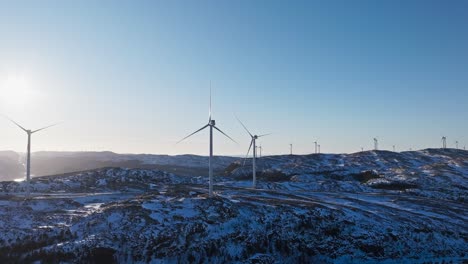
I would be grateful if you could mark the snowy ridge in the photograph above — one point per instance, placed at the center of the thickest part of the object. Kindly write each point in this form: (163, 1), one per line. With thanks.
(430, 173)
(187, 160)
(51, 163)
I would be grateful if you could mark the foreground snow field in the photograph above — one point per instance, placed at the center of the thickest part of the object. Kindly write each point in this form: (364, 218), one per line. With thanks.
(365, 207)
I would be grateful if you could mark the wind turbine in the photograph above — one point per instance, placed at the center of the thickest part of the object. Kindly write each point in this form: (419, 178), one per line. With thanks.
(315, 142)
(211, 124)
(393, 148)
(253, 142)
(444, 142)
(290, 149)
(318, 148)
(376, 144)
(260, 148)
(456, 144)
(28, 157)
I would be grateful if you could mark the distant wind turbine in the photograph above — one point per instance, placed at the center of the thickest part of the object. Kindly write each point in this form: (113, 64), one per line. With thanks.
(290, 149)
(376, 144)
(260, 148)
(315, 142)
(444, 142)
(318, 148)
(393, 148)
(253, 142)
(456, 144)
(211, 124)
(28, 157)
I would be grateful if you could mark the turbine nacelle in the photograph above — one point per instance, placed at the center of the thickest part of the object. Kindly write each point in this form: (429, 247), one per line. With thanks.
(212, 122)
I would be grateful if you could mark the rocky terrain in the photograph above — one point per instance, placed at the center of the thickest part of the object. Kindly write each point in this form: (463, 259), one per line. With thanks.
(368, 207)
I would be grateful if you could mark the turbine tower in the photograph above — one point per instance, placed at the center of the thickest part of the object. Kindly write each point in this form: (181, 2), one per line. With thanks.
(318, 148)
(444, 142)
(393, 148)
(211, 124)
(456, 144)
(253, 142)
(261, 148)
(376, 144)
(290, 149)
(28, 155)
(315, 142)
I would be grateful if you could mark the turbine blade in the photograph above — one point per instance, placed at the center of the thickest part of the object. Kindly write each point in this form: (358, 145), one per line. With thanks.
(209, 112)
(44, 128)
(24, 129)
(246, 156)
(225, 134)
(244, 126)
(265, 135)
(192, 134)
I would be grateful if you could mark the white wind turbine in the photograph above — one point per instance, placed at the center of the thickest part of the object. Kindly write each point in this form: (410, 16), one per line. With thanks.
(28, 157)
(211, 124)
(253, 142)
(260, 148)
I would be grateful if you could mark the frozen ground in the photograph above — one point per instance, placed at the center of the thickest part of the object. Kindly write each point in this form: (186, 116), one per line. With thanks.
(371, 207)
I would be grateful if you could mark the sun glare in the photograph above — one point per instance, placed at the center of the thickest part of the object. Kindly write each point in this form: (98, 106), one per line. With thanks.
(15, 89)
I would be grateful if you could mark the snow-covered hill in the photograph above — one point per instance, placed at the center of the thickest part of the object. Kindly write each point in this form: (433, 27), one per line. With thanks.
(430, 173)
(361, 208)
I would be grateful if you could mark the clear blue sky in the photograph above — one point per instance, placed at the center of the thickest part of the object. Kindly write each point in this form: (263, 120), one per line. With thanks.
(133, 76)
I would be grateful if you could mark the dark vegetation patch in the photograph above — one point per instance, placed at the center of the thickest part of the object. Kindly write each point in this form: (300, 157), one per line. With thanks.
(245, 173)
(373, 250)
(32, 247)
(399, 186)
(273, 176)
(231, 168)
(365, 176)
(99, 255)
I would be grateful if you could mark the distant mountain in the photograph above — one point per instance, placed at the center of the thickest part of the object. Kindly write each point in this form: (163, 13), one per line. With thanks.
(51, 163)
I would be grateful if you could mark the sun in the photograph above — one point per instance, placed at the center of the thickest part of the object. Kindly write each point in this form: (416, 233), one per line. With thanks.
(15, 89)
